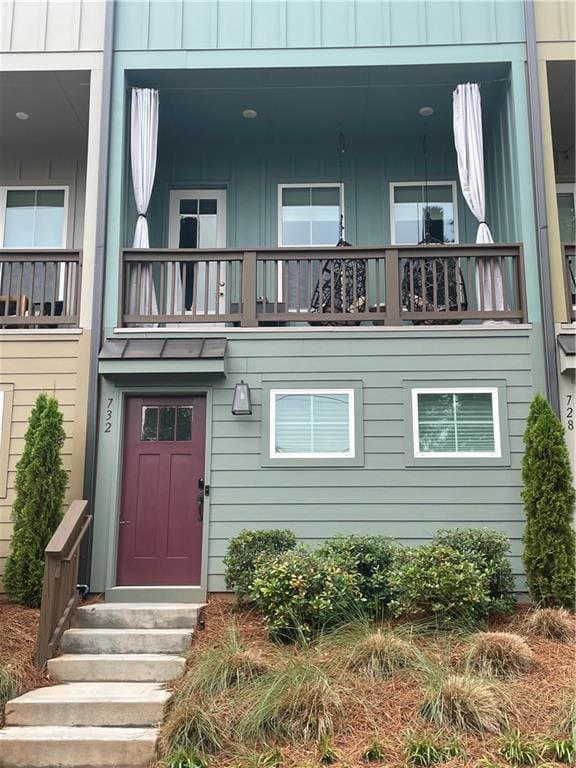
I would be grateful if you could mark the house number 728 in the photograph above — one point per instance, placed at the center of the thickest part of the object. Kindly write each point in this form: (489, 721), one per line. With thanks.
(569, 413)
(108, 419)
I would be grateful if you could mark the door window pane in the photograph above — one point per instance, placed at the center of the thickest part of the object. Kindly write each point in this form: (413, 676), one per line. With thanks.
(34, 218)
(310, 216)
(312, 424)
(184, 423)
(149, 423)
(456, 422)
(422, 212)
(166, 423)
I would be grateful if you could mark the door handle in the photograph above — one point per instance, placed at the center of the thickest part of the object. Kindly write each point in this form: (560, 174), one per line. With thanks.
(200, 507)
(123, 522)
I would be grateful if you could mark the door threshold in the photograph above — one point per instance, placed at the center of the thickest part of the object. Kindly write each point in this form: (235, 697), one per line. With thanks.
(176, 594)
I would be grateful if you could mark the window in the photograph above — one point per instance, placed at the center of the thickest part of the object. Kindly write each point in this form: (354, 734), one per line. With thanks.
(312, 423)
(420, 212)
(166, 423)
(309, 215)
(565, 195)
(456, 423)
(33, 218)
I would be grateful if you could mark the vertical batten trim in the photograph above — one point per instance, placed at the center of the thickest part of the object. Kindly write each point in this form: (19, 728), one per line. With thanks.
(458, 21)
(43, 27)
(79, 16)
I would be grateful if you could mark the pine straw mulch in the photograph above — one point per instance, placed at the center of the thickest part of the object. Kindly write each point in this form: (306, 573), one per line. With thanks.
(18, 630)
(389, 709)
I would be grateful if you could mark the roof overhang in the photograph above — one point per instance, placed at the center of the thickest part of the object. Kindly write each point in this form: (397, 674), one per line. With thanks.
(160, 356)
(567, 351)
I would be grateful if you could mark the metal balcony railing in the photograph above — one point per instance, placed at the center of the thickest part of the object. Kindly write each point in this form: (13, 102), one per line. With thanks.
(438, 284)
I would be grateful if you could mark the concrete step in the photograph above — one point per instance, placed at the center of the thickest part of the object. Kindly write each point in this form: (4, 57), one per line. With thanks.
(65, 747)
(137, 615)
(171, 641)
(116, 667)
(90, 704)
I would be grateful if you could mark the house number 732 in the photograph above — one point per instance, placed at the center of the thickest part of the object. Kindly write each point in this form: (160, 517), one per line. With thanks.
(108, 419)
(569, 413)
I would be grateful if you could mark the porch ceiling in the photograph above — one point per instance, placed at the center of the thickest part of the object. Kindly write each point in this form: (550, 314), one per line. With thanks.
(57, 105)
(366, 104)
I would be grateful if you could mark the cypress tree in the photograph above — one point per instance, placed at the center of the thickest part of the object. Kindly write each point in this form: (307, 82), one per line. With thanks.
(37, 510)
(548, 497)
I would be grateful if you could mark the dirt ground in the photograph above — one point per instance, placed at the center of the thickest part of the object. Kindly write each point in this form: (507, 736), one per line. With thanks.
(389, 709)
(386, 710)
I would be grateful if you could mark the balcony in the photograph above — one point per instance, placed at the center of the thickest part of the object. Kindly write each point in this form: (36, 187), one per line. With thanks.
(352, 286)
(40, 288)
(570, 279)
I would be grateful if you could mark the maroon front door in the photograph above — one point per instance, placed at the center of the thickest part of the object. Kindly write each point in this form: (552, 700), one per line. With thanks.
(160, 527)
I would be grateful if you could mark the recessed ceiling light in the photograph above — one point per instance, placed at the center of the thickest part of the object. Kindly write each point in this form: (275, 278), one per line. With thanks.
(22, 115)
(249, 114)
(426, 111)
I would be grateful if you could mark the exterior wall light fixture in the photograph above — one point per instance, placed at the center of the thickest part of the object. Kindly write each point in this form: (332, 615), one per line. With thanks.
(241, 402)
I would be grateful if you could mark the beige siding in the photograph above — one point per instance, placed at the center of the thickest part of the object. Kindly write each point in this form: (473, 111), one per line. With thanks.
(31, 364)
(555, 20)
(60, 169)
(33, 26)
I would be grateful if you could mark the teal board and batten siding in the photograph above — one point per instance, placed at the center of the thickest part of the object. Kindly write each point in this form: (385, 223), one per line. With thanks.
(386, 495)
(237, 24)
(251, 178)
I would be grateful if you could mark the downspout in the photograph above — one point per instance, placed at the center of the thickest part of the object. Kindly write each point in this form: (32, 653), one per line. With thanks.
(549, 333)
(98, 291)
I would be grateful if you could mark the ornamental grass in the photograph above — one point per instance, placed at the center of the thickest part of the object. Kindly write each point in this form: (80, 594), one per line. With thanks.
(465, 703)
(551, 624)
(499, 654)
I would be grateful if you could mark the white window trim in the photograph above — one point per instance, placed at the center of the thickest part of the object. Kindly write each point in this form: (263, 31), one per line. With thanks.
(493, 391)
(350, 454)
(308, 185)
(200, 193)
(394, 184)
(35, 188)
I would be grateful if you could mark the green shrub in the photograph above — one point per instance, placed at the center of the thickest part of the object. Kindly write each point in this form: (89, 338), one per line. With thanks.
(371, 558)
(9, 684)
(439, 581)
(245, 551)
(518, 750)
(301, 593)
(561, 750)
(37, 510)
(487, 550)
(548, 496)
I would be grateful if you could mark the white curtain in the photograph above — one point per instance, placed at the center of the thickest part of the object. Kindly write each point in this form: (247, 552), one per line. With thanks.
(143, 151)
(470, 152)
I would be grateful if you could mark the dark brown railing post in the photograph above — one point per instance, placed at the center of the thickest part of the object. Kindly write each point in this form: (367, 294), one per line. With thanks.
(249, 318)
(522, 285)
(59, 593)
(392, 272)
(569, 253)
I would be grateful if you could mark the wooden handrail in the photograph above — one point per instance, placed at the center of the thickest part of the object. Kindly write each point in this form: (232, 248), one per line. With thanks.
(59, 589)
(40, 288)
(385, 285)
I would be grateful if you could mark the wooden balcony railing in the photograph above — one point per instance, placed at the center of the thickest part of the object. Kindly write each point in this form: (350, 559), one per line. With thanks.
(39, 288)
(438, 284)
(59, 590)
(570, 279)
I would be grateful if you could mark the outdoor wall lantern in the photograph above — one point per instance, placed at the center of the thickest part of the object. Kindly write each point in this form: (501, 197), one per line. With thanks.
(241, 403)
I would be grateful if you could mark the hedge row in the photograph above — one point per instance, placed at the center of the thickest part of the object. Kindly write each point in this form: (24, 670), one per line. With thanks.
(461, 576)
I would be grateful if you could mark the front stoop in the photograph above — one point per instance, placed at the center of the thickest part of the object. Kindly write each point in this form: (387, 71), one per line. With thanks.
(108, 707)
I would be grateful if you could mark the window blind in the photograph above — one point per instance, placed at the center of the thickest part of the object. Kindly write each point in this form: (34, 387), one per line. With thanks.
(456, 422)
(310, 423)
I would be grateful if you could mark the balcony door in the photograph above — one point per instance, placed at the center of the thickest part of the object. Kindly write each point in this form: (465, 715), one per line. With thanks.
(197, 219)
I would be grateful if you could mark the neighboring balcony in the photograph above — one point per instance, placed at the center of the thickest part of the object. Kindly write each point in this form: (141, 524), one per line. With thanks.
(350, 286)
(570, 279)
(40, 288)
